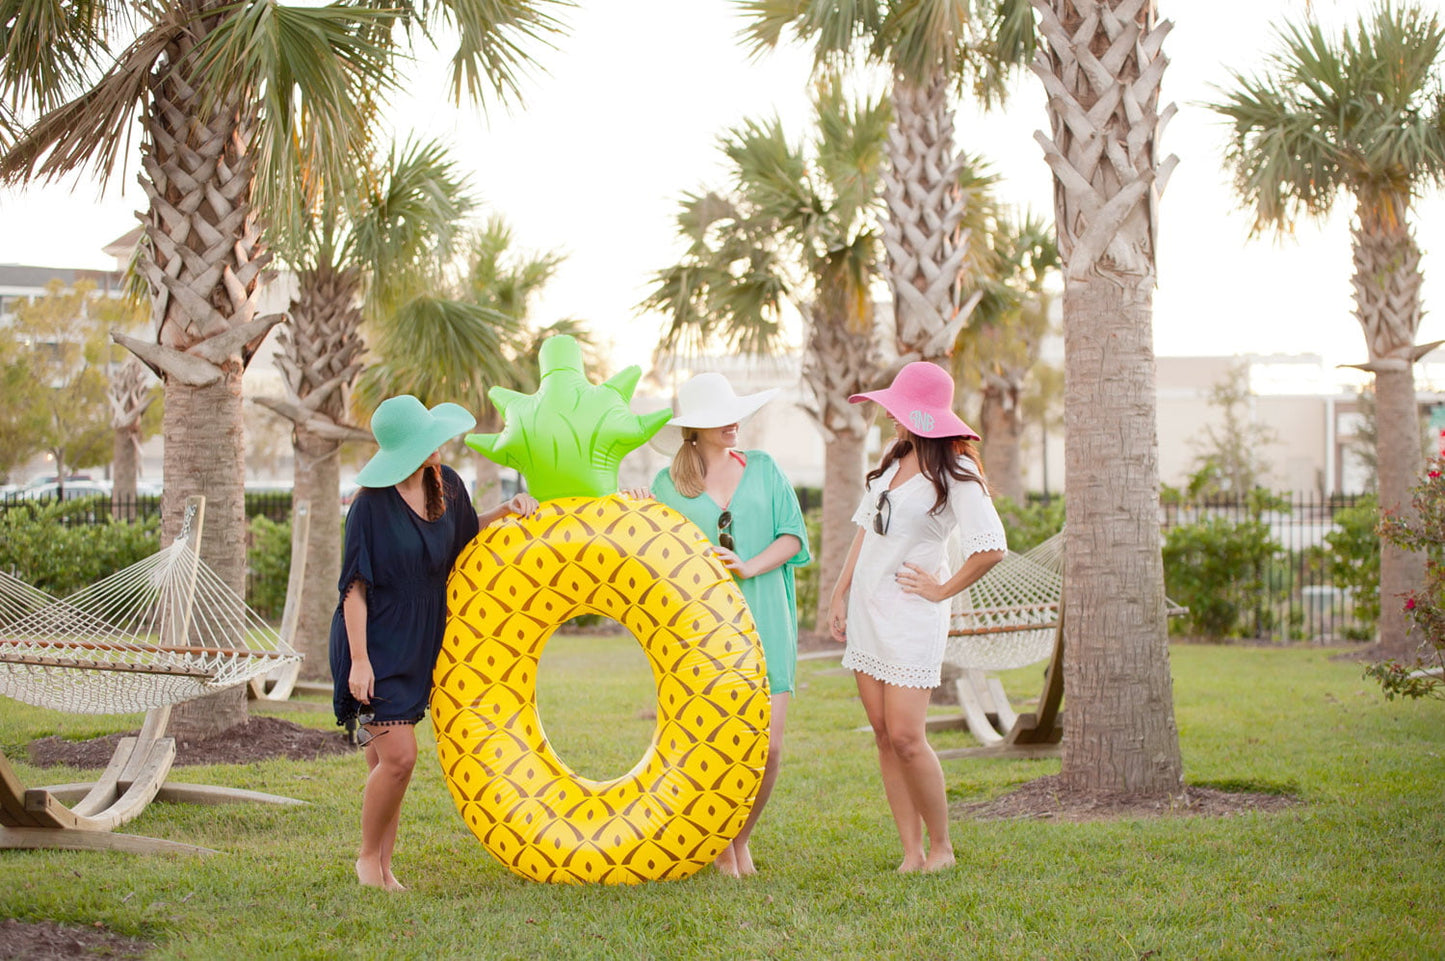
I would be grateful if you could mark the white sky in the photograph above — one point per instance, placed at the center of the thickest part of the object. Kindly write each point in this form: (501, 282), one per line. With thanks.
(627, 117)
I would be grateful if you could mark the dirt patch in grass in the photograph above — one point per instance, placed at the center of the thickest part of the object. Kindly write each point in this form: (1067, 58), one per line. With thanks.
(1047, 798)
(48, 941)
(259, 739)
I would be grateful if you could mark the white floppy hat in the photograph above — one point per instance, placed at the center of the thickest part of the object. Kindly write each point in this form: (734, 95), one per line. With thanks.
(707, 400)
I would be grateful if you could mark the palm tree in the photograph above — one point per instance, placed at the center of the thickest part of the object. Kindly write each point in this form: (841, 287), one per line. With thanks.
(998, 356)
(465, 330)
(1361, 115)
(351, 253)
(1100, 63)
(799, 228)
(221, 88)
(929, 46)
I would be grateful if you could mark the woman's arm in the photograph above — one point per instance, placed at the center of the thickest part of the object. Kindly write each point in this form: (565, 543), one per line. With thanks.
(522, 505)
(914, 580)
(838, 606)
(353, 612)
(772, 557)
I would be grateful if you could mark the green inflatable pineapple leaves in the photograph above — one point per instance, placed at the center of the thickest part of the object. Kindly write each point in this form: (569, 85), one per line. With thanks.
(568, 438)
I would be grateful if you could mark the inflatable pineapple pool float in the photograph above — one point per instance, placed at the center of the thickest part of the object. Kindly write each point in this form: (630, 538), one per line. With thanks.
(589, 551)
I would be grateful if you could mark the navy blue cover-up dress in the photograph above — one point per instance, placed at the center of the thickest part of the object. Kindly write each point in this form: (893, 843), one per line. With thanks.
(404, 561)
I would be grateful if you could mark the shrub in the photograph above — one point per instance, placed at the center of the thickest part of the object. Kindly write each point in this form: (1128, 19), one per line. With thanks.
(1353, 561)
(1424, 532)
(268, 566)
(41, 544)
(805, 578)
(1029, 525)
(1216, 568)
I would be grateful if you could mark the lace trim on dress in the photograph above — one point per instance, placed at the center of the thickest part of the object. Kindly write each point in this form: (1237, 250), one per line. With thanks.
(980, 541)
(900, 675)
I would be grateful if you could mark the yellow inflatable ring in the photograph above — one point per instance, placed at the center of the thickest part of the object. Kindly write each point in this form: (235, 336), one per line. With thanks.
(647, 567)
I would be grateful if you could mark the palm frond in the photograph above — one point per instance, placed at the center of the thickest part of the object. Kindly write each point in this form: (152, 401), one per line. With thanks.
(496, 40)
(439, 349)
(47, 48)
(314, 73)
(91, 129)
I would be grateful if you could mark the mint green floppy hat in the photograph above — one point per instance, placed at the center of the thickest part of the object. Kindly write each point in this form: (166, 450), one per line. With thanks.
(407, 433)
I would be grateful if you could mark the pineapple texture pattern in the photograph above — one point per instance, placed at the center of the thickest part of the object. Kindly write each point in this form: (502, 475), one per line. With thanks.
(647, 567)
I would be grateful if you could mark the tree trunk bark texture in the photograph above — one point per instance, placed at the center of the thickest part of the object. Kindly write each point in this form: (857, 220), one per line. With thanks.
(130, 397)
(1387, 283)
(1101, 66)
(202, 261)
(926, 248)
(1002, 427)
(842, 360)
(319, 358)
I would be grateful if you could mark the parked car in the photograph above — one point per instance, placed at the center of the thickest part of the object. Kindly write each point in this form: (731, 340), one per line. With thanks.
(74, 490)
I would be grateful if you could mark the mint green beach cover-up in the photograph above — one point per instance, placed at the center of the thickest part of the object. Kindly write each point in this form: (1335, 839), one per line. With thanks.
(764, 508)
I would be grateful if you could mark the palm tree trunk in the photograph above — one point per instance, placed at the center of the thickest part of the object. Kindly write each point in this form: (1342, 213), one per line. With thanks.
(205, 454)
(487, 483)
(202, 261)
(319, 358)
(842, 360)
(926, 250)
(129, 398)
(1002, 428)
(1387, 285)
(317, 480)
(1101, 66)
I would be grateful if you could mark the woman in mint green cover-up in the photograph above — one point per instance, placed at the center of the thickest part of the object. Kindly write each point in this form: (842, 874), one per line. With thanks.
(747, 508)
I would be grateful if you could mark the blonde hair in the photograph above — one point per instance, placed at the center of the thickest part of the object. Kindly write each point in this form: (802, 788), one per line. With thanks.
(688, 471)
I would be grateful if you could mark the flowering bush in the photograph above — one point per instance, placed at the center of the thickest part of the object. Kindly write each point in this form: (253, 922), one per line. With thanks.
(1425, 532)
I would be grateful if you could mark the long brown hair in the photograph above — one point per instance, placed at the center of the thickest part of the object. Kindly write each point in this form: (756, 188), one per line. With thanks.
(689, 473)
(436, 501)
(939, 458)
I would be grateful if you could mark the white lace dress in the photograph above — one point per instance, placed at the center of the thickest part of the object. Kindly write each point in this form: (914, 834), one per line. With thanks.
(892, 635)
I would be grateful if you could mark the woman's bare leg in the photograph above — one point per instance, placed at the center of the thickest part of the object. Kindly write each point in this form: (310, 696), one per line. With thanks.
(742, 857)
(871, 692)
(390, 757)
(906, 710)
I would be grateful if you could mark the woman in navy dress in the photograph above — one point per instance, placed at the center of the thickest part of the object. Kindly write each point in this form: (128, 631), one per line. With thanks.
(403, 532)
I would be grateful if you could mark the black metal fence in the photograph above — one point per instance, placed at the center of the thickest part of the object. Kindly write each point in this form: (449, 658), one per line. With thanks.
(99, 509)
(1315, 571)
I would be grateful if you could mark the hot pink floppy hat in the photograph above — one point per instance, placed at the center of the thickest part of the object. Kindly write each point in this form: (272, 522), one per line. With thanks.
(921, 399)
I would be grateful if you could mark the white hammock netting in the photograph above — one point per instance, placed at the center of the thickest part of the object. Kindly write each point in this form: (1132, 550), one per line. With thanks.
(164, 630)
(1007, 618)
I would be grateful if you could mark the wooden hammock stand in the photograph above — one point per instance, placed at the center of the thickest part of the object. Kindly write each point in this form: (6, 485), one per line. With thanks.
(84, 816)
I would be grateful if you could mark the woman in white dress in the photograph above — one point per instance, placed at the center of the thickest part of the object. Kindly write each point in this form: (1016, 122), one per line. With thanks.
(890, 605)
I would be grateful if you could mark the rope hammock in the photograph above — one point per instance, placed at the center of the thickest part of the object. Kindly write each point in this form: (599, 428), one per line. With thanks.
(164, 630)
(1008, 617)
(17, 599)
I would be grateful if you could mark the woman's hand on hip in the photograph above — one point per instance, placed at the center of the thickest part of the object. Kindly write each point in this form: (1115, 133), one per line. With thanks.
(915, 580)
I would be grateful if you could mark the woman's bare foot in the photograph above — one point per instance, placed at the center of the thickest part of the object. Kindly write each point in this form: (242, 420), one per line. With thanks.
(744, 860)
(389, 881)
(369, 873)
(727, 863)
(941, 861)
(911, 863)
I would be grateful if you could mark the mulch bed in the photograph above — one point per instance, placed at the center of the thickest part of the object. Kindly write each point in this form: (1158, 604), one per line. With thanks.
(1047, 799)
(259, 739)
(48, 941)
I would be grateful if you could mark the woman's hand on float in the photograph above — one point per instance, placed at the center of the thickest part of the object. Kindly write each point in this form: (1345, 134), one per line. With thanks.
(738, 567)
(522, 505)
(915, 580)
(637, 493)
(361, 681)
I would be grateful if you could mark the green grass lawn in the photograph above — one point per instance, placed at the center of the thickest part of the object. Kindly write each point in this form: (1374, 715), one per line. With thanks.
(1354, 871)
